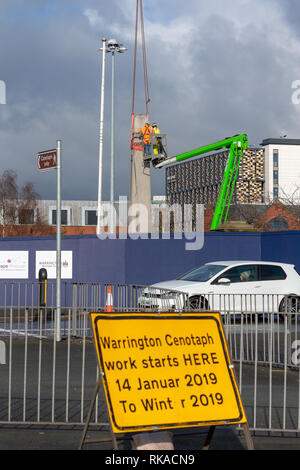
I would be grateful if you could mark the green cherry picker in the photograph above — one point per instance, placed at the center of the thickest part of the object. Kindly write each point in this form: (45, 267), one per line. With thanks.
(236, 145)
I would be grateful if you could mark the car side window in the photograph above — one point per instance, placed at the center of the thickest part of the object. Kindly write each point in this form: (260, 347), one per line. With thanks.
(269, 272)
(246, 273)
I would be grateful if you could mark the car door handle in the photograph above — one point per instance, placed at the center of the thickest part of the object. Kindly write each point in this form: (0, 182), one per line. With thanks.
(256, 287)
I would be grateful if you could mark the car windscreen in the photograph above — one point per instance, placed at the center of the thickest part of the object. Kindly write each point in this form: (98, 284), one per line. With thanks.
(202, 274)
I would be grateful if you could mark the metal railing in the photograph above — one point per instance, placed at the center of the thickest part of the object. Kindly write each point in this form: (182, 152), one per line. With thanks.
(49, 382)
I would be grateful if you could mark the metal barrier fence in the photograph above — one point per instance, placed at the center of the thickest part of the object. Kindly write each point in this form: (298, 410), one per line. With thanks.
(49, 382)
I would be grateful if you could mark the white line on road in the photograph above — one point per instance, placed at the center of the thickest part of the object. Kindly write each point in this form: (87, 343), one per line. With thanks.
(20, 333)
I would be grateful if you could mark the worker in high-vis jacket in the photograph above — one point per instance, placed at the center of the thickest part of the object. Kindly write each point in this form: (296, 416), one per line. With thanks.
(156, 131)
(158, 147)
(146, 131)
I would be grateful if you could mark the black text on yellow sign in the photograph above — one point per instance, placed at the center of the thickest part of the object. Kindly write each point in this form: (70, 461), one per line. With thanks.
(166, 371)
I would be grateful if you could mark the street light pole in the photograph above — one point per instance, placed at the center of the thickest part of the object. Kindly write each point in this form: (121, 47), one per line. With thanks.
(58, 241)
(101, 137)
(113, 46)
(112, 163)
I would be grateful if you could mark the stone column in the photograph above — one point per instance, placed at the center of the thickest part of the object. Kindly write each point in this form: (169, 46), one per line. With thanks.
(139, 219)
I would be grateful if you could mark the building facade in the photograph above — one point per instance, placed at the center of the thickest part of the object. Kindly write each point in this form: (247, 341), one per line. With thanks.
(282, 169)
(198, 181)
(84, 213)
(266, 173)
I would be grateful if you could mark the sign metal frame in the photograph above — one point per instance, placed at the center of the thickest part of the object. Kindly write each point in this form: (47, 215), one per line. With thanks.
(98, 317)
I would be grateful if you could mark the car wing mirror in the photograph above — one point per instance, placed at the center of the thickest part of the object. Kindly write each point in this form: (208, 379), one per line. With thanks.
(224, 281)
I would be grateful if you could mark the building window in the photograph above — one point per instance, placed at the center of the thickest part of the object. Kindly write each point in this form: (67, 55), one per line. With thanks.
(275, 174)
(90, 217)
(278, 223)
(26, 216)
(275, 159)
(64, 217)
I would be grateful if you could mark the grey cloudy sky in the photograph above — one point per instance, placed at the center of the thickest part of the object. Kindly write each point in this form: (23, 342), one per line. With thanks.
(215, 69)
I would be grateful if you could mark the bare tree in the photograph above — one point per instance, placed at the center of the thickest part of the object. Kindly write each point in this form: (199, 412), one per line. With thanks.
(255, 214)
(8, 196)
(18, 206)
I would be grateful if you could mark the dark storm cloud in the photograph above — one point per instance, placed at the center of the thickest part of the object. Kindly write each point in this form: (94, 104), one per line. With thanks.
(234, 71)
(290, 10)
(214, 70)
(51, 67)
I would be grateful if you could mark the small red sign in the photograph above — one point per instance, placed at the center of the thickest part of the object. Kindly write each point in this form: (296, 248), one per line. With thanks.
(46, 160)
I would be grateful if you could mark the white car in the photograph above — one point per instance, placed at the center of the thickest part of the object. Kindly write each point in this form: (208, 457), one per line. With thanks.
(230, 286)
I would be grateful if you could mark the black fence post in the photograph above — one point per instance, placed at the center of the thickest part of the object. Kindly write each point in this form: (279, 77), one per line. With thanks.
(43, 287)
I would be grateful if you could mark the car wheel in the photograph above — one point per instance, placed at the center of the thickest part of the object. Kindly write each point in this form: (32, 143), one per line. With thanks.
(198, 303)
(289, 305)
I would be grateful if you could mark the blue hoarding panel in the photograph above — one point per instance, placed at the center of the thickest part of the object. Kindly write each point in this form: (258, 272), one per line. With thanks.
(145, 261)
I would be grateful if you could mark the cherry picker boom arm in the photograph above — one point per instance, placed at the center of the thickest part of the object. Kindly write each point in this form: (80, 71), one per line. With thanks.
(236, 144)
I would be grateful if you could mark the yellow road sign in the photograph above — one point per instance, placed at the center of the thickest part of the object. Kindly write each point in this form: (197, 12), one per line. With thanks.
(166, 371)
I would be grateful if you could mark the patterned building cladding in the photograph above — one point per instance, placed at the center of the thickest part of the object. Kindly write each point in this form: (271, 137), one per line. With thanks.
(250, 184)
(198, 181)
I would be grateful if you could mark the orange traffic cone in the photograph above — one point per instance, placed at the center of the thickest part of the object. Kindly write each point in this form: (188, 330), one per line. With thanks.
(109, 300)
